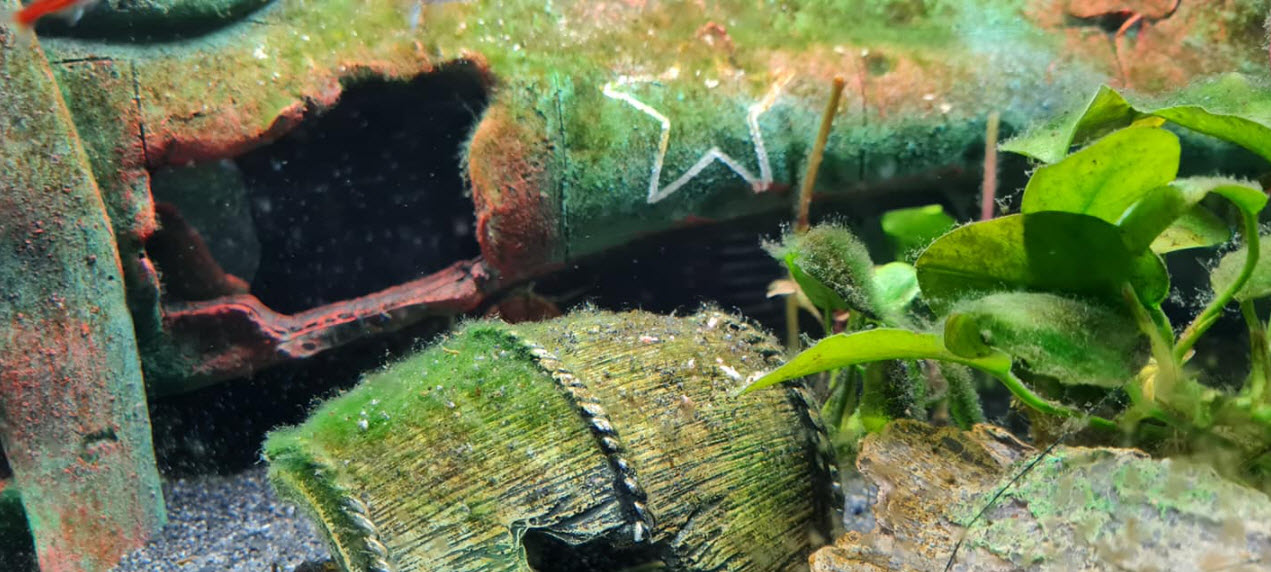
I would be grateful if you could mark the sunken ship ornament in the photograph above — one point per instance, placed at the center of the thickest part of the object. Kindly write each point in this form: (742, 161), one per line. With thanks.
(597, 441)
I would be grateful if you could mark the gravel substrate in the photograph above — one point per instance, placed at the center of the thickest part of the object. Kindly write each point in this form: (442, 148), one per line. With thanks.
(227, 523)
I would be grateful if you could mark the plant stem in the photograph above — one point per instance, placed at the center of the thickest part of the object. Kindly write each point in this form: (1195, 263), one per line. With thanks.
(1025, 395)
(964, 402)
(818, 152)
(844, 382)
(801, 222)
(1211, 312)
(988, 194)
(792, 320)
(1161, 321)
(1260, 366)
(1168, 387)
(1168, 370)
(844, 395)
(832, 411)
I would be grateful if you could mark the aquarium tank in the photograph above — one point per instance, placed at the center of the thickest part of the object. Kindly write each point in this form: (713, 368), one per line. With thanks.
(634, 285)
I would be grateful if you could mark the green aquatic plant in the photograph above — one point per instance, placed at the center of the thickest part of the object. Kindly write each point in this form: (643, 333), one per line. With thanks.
(1061, 302)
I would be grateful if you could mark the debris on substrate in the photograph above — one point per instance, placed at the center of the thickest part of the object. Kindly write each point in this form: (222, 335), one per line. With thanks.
(228, 524)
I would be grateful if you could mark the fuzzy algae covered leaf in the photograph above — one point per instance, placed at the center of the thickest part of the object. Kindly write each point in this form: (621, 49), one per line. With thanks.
(609, 439)
(822, 297)
(832, 267)
(1057, 252)
(1242, 131)
(1072, 341)
(1247, 196)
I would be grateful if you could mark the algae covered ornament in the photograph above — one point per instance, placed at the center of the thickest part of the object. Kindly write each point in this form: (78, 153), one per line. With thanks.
(597, 441)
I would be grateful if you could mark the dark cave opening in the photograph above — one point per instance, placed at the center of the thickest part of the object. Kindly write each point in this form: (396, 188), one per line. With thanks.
(368, 195)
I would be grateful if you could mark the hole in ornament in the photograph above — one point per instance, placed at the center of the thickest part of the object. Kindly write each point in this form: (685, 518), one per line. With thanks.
(367, 195)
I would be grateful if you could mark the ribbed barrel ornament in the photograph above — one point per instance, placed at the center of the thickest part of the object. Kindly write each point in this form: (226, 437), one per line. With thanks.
(597, 441)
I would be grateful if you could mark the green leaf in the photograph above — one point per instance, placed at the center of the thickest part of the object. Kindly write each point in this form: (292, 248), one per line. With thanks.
(912, 229)
(1105, 112)
(1159, 210)
(896, 286)
(1073, 341)
(1152, 215)
(842, 350)
(821, 296)
(1107, 177)
(1251, 200)
(832, 267)
(1244, 132)
(1149, 278)
(962, 336)
(1246, 197)
(1055, 252)
(1258, 285)
(1197, 228)
(1234, 110)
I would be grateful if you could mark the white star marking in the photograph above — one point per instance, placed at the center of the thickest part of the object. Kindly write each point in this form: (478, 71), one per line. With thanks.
(761, 183)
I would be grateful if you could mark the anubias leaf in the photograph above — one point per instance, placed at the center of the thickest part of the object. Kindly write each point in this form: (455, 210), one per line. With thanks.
(911, 229)
(1198, 227)
(1251, 201)
(833, 268)
(896, 286)
(1259, 283)
(1242, 131)
(1246, 196)
(1169, 218)
(1107, 177)
(1156, 212)
(1234, 110)
(842, 350)
(823, 297)
(1105, 112)
(1073, 341)
(1058, 252)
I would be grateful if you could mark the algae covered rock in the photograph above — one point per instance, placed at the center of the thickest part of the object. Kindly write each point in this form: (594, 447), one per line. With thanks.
(1078, 508)
(597, 441)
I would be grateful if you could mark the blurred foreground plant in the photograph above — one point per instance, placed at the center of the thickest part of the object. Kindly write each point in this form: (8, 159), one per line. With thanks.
(1060, 302)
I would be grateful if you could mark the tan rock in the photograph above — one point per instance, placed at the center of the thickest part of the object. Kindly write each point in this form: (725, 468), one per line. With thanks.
(1077, 508)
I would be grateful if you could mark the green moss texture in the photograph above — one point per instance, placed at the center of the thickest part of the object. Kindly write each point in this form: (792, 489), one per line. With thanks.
(921, 76)
(462, 450)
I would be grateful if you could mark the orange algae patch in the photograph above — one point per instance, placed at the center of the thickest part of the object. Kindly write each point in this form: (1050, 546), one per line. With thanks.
(517, 215)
